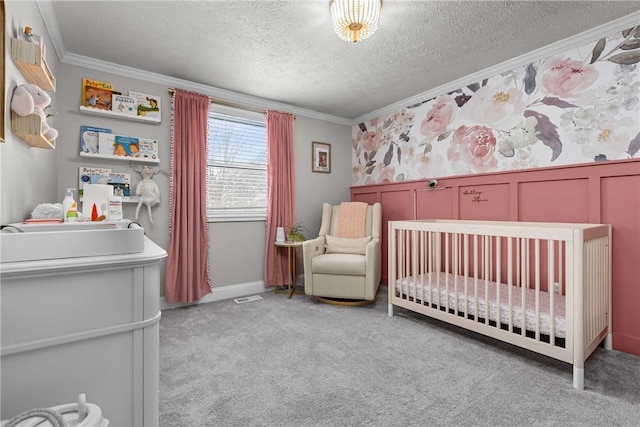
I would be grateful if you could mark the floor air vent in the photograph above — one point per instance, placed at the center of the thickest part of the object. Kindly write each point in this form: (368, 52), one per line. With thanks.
(248, 299)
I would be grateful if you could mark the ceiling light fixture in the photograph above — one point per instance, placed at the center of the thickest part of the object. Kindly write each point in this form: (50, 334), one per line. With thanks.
(355, 20)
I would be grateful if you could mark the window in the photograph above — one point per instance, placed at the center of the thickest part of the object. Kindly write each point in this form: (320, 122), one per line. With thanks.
(236, 165)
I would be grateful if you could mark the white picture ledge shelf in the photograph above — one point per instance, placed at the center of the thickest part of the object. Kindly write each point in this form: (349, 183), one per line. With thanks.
(121, 158)
(115, 114)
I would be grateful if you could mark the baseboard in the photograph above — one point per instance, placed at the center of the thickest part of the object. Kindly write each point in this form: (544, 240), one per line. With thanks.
(221, 293)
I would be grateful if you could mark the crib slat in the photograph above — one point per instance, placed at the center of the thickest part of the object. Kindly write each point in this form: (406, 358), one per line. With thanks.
(551, 274)
(466, 275)
(537, 283)
(475, 282)
(446, 266)
(524, 262)
(510, 280)
(498, 279)
(487, 277)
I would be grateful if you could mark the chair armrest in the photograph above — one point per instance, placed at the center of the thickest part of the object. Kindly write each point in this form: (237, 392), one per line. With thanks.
(311, 249)
(373, 255)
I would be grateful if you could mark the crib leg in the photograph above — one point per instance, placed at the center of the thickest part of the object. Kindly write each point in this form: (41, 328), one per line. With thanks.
(390, 310)
(578, 378)
(608, 342)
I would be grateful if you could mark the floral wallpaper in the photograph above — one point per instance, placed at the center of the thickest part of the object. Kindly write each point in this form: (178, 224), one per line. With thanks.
(578, 107)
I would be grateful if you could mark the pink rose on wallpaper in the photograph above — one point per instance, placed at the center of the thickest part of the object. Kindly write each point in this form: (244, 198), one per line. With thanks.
(357, 175)
(472, 150)
(565, 78)
(438, 117)
(371, 140)
(496, 106)
(382, 174)
(430, 165)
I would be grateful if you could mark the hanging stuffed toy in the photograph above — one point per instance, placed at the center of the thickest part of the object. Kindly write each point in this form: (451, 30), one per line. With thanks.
(30, 99)
(147, 190)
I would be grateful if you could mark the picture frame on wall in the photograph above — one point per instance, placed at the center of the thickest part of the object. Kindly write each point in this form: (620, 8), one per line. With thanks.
(321, 157)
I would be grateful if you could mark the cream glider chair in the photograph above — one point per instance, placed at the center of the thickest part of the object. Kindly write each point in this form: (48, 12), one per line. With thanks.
(344, 271)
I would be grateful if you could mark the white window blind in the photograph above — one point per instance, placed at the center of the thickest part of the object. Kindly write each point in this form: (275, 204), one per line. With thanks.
(236, 165)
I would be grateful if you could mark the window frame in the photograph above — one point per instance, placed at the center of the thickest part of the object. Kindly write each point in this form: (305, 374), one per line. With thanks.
(236, 216)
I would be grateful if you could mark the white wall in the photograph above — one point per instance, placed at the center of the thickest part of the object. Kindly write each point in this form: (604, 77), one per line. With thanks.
(28, 176)
(31, 176)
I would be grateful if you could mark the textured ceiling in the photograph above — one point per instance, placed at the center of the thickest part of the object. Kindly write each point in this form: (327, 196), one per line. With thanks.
(286, 51)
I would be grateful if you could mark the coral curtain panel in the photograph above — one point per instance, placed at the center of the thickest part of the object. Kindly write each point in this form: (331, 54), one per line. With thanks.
(280, 184)
(187, 275)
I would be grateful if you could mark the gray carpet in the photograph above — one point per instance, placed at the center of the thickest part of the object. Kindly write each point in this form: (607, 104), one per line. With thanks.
(298, 362)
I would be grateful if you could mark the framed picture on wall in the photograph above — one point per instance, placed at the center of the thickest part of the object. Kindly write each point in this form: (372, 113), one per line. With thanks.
(321, 157)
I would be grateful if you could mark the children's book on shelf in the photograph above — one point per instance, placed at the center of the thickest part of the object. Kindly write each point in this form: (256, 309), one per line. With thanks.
(128, 146)
(97, 94)
(106, 144)
(124, 105)
(121, 182)
(147, 105)
(89, 140)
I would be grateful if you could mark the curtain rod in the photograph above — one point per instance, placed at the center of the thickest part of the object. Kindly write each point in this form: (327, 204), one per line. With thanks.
(230, 104)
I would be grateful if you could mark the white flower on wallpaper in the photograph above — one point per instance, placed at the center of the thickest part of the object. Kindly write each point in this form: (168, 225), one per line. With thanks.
(578, 107)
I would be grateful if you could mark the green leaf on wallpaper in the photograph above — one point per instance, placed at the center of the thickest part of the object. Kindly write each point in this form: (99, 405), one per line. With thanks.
(631, 44)
(399, 154)
(547, 133)
(388, 156)
(400, 177)
(626, 58)
(427, 148)
(370, 163)
(628, 31)
(529, 79)
(556, 102)
(597, 50)
(366, 155)
(373, 154)
(444, 135)
(634, 145)
(369, 170)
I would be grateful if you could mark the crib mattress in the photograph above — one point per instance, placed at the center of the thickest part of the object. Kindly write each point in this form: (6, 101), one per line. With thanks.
(440, 296)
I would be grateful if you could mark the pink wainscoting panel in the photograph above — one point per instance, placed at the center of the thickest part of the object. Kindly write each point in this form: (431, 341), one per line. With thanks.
(625, 218)
(434, 203)
(394, 205)
(559, 200)
(607, 192)
(368, 198)
(484, 202)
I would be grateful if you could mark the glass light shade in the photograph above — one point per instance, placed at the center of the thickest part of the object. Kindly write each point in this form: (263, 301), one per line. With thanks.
(355, 20)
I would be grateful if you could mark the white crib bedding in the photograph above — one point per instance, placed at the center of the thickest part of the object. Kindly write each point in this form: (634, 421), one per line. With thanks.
(438, 296)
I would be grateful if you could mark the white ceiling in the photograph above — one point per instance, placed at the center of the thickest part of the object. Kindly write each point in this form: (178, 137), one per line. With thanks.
(286, 51)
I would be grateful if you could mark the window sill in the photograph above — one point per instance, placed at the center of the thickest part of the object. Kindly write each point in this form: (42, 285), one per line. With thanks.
(237, 219)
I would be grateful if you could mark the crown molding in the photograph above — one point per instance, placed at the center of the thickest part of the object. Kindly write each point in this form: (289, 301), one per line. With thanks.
(236, 98)
(535, 55)
(51, 24)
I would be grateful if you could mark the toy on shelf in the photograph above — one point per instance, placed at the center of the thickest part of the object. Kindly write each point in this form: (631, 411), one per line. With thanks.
(30, 99)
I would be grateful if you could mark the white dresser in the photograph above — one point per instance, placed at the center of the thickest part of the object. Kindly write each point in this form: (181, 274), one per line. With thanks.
(82, 325)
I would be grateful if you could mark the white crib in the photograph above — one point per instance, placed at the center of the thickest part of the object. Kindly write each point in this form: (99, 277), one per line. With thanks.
(545, 287)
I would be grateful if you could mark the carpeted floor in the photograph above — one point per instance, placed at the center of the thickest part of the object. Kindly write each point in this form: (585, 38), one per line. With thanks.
(298, 362)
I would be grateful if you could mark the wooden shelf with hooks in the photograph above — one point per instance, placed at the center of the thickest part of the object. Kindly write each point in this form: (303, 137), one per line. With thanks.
(29, 129)
(31, 63)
